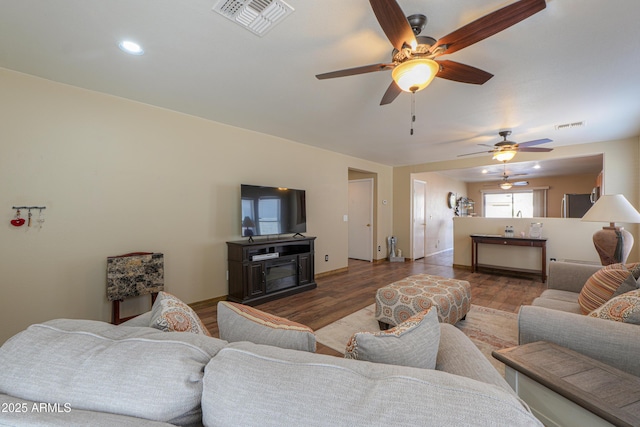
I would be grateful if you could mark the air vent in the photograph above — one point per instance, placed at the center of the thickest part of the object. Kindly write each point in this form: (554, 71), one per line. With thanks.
(257, 16)
(565, 126)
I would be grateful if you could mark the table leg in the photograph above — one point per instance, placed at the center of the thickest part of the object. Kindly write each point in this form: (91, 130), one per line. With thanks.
(544, 263)
(474, 256)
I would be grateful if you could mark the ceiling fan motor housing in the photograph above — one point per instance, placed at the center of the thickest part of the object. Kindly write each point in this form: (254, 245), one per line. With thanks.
(417, 22)
(421, 50)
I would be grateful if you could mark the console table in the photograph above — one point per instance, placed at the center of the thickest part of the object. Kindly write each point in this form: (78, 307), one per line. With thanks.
(566, 388)
(477, 239)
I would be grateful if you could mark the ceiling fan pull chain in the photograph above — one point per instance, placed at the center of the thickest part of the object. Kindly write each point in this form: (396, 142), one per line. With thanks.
(413, 110)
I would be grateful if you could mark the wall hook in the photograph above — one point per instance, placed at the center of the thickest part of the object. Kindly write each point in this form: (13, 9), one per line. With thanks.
(18, 221)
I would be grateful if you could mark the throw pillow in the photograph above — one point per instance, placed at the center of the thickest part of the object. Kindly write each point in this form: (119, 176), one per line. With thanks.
(623, 308)
(628, 285)
(238, 322)
(634, 269)
(599, 288)
(412, 343)
(170, 314)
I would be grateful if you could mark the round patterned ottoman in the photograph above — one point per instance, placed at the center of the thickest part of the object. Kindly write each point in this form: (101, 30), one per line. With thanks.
(400, 300)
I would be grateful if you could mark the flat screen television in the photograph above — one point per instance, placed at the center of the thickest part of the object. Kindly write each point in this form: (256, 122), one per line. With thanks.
(272, 210)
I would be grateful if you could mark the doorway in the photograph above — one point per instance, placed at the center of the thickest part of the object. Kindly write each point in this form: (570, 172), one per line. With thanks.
(361, 219)
(419, 221)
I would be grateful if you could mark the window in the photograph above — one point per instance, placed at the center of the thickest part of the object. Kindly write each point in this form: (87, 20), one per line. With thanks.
(508, 205)
(269, 215)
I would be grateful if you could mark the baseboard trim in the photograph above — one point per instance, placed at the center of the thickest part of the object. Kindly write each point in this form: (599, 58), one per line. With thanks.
(464, 267)
(331, 272)
(438, 252)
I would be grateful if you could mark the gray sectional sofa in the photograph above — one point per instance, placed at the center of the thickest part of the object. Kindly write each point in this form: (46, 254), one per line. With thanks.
(80, 372)
(555, 316)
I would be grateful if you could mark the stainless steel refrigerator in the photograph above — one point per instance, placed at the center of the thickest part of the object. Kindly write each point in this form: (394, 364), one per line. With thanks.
(575, 205)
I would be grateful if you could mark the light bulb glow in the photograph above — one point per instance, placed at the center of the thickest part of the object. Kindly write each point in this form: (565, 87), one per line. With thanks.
(506, 185)
(415, 74)
(131, 47)
(504, 155)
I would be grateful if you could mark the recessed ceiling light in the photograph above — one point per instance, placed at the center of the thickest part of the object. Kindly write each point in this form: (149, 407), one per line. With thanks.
(131, 48)
(485, 171)
(536, 166)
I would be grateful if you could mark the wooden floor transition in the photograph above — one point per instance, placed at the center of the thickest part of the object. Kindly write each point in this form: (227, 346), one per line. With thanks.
(340, 294)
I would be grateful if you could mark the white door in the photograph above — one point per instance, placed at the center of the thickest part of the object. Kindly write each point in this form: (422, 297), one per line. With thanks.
(361, 219)
(419, 218)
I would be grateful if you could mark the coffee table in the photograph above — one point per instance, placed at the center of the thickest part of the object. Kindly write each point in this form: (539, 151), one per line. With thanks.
(565, 388)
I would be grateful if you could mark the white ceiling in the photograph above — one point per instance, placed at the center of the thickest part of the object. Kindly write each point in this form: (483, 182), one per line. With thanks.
(520, 171)
(577, 60)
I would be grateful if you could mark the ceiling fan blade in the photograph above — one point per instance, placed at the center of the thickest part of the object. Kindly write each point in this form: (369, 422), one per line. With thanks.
(394, 23)
(356, 70)
(477, 152)
(520, 183)
(489, 25)
(534, 149)
(535, 142)
(391, 94)
(458, 72)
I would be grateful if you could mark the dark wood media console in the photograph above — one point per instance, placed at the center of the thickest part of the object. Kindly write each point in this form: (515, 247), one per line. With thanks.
(264, 270)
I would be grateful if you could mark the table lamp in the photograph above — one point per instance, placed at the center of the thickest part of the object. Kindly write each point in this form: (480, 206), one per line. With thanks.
(612, 243)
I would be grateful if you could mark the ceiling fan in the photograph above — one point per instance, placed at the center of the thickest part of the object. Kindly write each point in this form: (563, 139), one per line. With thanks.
(506, 184)
(413, 58)
(505, 150)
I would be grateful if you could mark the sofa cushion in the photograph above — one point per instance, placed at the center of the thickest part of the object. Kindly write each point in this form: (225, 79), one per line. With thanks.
(170, 314)
(560, 305)
(25, 413)
(623, 308)
(135, 371)
(238, 322)
(458, 355)
(559, 295)
(559, 300)
(253, 385)
(601, 285)
(411, 343)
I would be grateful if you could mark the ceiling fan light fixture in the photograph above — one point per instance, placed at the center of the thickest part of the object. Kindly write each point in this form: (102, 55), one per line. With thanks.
(506, 185)
(504, 155)
(415, 74)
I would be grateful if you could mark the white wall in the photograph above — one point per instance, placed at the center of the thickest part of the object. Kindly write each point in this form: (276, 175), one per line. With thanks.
(567, 238)
(439, 220)
(118, 176)
(621, 175)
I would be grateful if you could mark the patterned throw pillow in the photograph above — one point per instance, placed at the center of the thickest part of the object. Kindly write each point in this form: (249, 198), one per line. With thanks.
(413, 343)
(624, 308)
(629, 284)
(238, 322)
(634, 269)
(169, 314)
(599, 288)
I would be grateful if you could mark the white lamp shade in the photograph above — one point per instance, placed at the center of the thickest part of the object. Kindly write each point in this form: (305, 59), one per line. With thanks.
(415, 74)
(504, 155)
(612, 208)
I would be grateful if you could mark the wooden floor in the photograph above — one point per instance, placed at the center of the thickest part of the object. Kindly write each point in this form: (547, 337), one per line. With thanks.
(343, 293)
